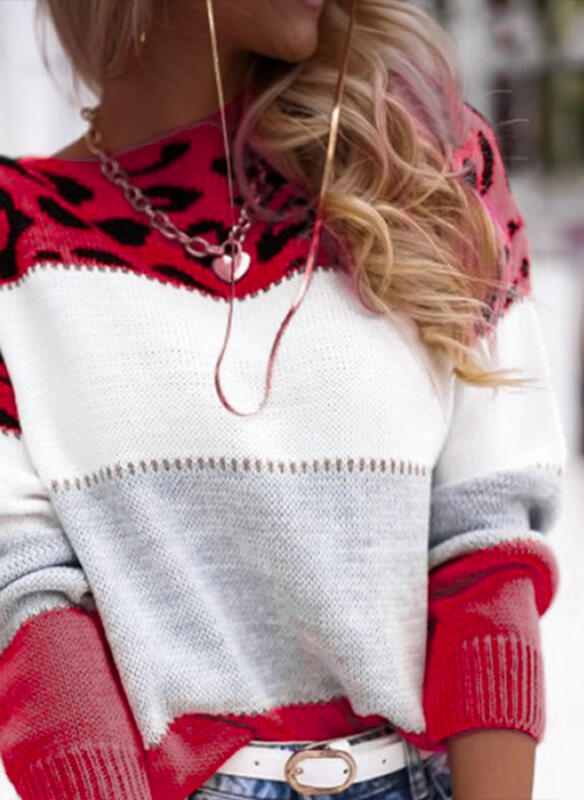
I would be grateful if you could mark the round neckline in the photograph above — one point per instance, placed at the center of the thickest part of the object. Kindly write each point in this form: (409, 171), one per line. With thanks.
(232, 110)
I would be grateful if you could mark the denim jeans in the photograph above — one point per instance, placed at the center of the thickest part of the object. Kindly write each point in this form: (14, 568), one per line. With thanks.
(417, 780)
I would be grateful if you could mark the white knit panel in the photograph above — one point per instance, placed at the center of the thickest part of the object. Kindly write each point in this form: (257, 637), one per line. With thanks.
(108, 365)
(506, 428)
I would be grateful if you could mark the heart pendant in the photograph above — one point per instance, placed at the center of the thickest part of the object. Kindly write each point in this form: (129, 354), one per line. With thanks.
(222, 266)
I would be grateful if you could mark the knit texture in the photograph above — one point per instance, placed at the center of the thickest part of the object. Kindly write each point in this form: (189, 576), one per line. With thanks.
(177, 581)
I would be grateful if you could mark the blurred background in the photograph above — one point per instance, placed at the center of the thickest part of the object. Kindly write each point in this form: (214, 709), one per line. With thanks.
(523, 69)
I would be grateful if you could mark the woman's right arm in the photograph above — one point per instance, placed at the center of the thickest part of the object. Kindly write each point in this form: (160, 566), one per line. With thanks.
(66, 729)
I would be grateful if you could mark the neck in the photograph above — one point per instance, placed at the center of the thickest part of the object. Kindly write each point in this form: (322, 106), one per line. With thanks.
(171, 85)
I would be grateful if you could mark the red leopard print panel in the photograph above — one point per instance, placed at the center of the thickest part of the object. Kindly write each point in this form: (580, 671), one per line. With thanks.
(66, 212)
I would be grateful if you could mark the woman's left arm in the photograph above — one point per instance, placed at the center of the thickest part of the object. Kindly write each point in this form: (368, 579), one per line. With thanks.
(492, 765)
(496, 495)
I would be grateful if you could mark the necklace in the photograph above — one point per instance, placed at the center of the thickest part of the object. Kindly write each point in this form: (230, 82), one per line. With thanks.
(237, 260)
(194, 245)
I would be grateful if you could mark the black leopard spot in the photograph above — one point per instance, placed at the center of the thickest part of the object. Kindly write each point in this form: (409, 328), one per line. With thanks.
(8, 421)
(69, 189)
(173, 151)
(205, 225)
(270, 243)
(125, 230)
(61, 215)
(100, 255)
(219, 165)
(513, 227)
(22, 169)
(47, 255)
(275, 181)
(178, 198)
(17, 222)
(487, 174)
(525, 267)
(12, 163)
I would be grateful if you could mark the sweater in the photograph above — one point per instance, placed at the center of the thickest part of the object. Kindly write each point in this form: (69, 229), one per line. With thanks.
(177, 581)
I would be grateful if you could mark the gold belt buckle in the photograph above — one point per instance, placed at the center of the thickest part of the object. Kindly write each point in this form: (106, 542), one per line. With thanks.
(292, 769)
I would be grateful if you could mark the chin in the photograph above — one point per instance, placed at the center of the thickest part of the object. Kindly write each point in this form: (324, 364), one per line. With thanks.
(296, 43)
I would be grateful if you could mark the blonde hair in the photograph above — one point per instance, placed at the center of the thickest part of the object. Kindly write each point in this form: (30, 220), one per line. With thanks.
(417, 236)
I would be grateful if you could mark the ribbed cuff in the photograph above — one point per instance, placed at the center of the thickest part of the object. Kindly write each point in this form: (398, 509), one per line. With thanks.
(486, 682)
(106, 772)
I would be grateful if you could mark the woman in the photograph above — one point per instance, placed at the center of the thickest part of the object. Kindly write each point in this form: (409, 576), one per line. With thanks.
(340, 594)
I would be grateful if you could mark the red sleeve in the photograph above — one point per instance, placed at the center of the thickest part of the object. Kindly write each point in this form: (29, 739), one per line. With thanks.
(66, 731)
(485, 666)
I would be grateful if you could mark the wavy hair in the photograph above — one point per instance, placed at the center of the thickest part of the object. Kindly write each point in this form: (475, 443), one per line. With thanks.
(415, 235)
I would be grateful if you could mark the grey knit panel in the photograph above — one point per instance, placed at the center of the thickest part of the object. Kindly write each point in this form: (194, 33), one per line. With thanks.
(508, 504)
(222, 591)
(39, 570)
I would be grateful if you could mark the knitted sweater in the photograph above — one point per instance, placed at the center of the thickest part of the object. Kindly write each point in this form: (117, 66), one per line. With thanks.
(175, 580)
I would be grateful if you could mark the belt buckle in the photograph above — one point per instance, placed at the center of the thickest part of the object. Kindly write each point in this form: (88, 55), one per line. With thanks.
(292, 769)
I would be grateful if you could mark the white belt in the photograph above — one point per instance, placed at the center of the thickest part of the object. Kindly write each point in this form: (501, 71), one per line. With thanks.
(324, 769)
